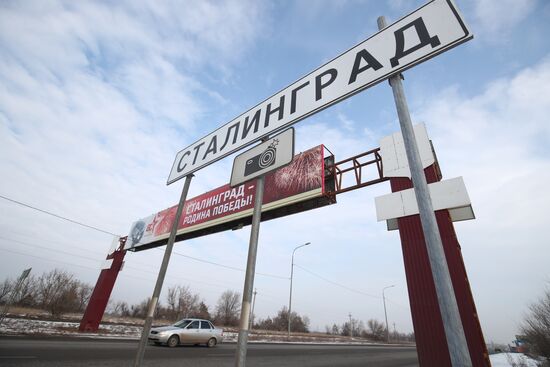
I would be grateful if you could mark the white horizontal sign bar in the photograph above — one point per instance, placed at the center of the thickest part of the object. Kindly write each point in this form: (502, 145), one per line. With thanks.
(456, 214)
(428, 31)
(394, 156)
(446, 194)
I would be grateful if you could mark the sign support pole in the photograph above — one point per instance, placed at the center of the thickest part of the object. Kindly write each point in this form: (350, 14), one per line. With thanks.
(162, 273)
(454, 332)
(240, 358)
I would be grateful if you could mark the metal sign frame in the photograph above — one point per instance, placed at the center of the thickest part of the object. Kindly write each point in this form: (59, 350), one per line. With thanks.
(432, 29)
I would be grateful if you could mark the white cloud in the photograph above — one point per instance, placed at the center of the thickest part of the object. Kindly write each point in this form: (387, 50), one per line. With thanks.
(96, 99)
(93, 95)
(498, 140)
(497, 18)
(347, 123)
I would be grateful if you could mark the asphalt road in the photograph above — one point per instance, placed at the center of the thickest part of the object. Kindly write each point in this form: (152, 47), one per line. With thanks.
(21, 351)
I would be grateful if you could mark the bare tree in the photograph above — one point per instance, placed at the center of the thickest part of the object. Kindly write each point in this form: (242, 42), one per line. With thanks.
(58, 292)
(358, 327)
(121, 308)
(188, 302)
(266, 324)
(5, 289)
(182, 302)
(279, 322)
(172, 302)
(536, 326)
(346, 329)
(65, 299)
(27, 294)
(83, 295)
(228, 308)
(140, 310)
(376, 329)
(203, 311)
(51, 285)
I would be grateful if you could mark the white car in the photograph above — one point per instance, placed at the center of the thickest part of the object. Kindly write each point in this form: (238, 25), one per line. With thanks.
(187, 331)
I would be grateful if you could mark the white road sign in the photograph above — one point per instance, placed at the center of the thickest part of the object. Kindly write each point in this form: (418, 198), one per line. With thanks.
(428, 31)
(268, 156)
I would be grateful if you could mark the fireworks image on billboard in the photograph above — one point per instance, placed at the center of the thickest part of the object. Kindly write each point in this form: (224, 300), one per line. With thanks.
(303, 174)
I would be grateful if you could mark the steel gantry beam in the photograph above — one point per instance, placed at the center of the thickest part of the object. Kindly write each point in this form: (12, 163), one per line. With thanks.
(366, 168)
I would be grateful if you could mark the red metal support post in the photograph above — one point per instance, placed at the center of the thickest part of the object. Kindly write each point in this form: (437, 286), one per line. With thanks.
(431, 343)
(428, 325)
(102, 291)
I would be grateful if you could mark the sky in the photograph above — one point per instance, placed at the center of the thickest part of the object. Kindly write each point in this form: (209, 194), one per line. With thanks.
(96, 98)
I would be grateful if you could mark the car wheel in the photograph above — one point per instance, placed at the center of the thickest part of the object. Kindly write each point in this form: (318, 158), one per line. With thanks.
(211, 342)
(173, 341)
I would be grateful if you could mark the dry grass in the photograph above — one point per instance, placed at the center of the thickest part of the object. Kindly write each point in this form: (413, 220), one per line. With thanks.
(27, 311)
(120, 325)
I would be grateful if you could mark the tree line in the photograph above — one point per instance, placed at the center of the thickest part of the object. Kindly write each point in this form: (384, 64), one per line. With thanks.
(56, 291)
(59, 292)
(181, 302)
(373, 330)
(536, 328)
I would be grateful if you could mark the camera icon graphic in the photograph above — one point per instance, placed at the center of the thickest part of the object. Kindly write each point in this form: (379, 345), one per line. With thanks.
(262, 160)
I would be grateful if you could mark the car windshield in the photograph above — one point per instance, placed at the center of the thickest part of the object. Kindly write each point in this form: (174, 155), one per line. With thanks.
(182, 323)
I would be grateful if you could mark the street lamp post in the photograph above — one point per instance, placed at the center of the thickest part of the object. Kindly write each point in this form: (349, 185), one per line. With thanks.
(385, 313)
(251, 322)
(291, 275)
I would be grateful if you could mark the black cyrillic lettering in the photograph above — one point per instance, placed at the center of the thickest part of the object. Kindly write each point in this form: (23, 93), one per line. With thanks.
(247, 126)
(423, 36)
(294, 95)
(236, 126)
(279, 109)
(196, 149)
(319, 85)
(180, 168)
(212, 147)
(357, 69)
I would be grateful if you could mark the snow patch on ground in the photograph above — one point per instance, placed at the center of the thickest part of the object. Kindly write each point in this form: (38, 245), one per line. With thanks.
(229, 337)
(508, 360)
(26, 326)
(17, 326)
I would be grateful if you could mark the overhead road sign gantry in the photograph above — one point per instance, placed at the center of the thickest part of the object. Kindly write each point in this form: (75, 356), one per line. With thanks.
(302, 185)
(426, 32)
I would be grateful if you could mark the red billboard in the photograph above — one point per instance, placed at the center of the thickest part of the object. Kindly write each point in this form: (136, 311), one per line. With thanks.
(299, 186)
